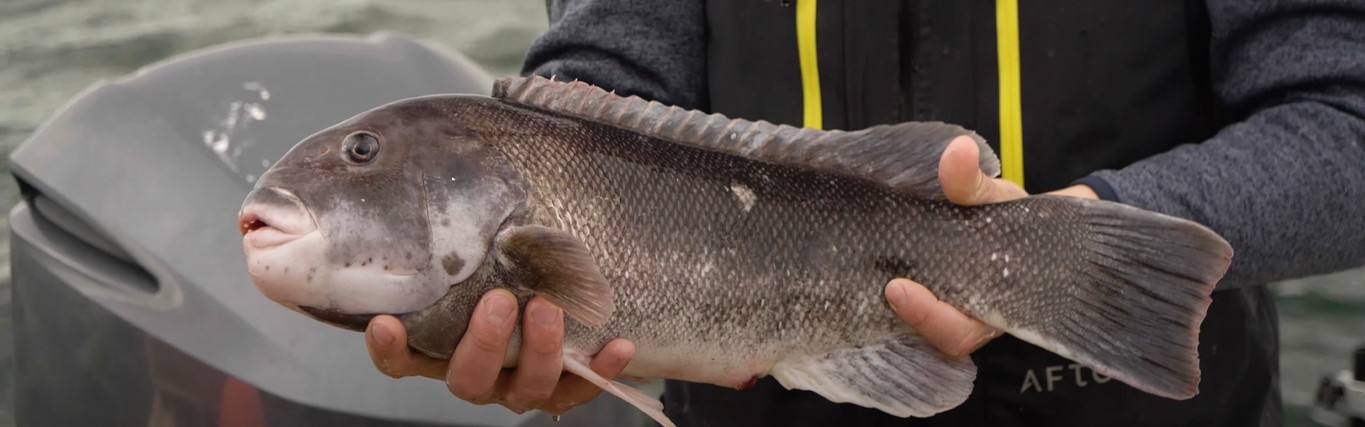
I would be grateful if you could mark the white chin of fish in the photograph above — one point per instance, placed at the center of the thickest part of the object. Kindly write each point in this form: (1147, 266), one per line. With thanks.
(281, 265)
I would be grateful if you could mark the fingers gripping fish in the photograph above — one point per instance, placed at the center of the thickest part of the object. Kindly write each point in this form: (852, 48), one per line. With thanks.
(727, 250)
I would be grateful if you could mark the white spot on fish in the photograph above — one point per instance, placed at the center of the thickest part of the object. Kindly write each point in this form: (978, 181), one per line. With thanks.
(452, 178)
(1007, 273)
(994, 256)
(1007, 257)
(826, 305)
(362, 200)
(745, 195)
(988, 220)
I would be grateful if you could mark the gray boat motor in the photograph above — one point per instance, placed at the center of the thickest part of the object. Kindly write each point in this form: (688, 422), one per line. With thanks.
(1340, 399)
(132, 306)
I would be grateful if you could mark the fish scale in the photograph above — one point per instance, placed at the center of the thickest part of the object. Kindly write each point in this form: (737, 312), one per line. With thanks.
(667, 213)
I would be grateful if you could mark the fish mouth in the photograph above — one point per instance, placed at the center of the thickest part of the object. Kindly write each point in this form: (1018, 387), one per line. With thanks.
(353, 322)
(273, 216)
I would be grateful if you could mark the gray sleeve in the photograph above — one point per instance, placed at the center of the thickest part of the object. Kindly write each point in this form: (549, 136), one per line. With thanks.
(1285, 185)
(654, 49)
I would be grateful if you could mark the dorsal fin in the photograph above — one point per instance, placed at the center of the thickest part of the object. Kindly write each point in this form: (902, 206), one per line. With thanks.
(902, 156)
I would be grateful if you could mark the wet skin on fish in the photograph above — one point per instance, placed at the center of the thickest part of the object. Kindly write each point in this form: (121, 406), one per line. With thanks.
(726, 250)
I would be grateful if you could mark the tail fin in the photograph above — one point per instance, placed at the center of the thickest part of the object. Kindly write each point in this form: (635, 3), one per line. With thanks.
(1141, 288)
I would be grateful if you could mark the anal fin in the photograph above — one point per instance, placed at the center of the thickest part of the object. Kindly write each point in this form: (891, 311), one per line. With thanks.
(650, 406)
(905, 377)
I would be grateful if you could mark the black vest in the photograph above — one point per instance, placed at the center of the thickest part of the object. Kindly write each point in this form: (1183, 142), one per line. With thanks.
(1101, 84)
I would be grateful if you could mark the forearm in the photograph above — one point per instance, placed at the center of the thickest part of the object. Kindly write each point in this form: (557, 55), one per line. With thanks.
(651, 49)
(1285, 185)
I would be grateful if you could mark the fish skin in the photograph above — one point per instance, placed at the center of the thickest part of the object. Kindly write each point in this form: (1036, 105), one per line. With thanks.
(722, 267)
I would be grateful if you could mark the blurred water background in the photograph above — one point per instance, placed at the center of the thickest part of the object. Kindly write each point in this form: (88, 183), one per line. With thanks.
(52, 49)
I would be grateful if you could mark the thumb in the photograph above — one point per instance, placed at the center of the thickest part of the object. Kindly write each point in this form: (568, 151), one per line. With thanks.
(959, 172)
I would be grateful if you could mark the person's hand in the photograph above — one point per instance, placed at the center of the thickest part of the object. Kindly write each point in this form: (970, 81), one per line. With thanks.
(944, 326)
(475, 371)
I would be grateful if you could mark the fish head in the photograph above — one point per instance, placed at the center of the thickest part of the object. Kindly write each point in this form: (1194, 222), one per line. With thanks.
(380, 214)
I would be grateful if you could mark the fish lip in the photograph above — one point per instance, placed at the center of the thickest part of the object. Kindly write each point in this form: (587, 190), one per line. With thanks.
(353, 322)
(264, 222)
(270, 237)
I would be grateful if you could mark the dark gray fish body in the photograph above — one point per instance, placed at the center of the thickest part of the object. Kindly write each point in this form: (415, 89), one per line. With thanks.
(731, 250)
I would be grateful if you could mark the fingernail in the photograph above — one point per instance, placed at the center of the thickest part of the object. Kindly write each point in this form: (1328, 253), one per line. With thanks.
(896, 294)
(382, 335)
(498, 308)
(546, 316)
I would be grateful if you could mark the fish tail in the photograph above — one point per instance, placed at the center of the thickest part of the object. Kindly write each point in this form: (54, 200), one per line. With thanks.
(1131, 304)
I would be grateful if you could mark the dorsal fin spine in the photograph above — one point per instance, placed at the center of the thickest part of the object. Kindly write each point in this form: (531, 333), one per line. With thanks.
(663, 121)
(538, 94)
(577, 108)
(602, 105)
(639, 117)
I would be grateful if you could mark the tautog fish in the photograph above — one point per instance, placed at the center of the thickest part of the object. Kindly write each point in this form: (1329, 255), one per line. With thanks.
(727, 250)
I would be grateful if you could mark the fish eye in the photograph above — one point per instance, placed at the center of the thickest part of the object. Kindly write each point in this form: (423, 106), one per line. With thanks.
(360, 147)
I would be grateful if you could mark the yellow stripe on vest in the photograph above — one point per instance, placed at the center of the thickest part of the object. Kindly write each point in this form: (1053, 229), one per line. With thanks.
(810, 68)
(1011, 120)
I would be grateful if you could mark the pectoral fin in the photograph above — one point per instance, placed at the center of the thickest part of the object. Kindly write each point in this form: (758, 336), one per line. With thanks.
(904, 377)
(559, 267)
